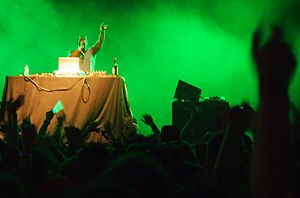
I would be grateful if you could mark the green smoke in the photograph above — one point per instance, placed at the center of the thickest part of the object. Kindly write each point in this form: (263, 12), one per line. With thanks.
(205, 43)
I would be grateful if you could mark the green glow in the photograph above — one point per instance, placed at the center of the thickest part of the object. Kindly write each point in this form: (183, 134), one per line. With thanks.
(205, 43)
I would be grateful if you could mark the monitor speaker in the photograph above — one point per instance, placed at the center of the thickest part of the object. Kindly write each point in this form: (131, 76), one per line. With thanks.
(187, 92)
(209, 115)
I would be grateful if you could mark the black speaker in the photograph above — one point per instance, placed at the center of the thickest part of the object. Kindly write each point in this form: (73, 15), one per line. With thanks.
(209, 115)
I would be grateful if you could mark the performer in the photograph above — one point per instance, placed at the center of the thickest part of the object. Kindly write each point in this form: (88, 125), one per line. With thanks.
(87, 56)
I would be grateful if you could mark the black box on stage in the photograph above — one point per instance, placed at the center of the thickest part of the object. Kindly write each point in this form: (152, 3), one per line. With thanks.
(209, 115)
(187, 92)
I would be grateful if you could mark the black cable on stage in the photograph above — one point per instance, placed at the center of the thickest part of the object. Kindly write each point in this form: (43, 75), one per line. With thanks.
(84, 85)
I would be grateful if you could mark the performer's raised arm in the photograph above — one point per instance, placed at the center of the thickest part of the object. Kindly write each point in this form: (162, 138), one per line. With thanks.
(96, 48)
(87, 56)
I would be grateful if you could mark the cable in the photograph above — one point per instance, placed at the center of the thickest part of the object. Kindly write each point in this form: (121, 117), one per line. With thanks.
(39, 88)
(84, 85)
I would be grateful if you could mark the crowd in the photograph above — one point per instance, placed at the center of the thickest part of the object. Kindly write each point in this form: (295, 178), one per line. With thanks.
(223, 163)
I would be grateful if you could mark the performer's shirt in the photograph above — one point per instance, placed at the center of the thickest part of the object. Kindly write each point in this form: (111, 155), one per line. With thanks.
(87, 62)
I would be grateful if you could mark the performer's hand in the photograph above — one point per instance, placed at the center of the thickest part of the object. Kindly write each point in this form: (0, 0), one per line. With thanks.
(103, 27)
(80, 48)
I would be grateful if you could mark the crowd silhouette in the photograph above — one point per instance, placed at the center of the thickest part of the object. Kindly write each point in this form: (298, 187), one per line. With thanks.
(223, 163)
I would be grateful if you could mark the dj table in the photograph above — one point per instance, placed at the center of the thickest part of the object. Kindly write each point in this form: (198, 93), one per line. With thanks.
(85, 99)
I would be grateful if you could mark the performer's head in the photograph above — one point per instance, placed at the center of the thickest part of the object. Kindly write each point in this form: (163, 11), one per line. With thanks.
(82, 41)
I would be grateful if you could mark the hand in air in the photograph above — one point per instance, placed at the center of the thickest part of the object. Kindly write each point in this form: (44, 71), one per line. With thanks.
(103, 27)
(147, 119)
(49, 115)
(275, 61)
(28, 131)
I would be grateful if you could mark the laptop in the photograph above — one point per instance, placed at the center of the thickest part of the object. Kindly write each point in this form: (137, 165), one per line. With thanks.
(68, 65)
(187, 92)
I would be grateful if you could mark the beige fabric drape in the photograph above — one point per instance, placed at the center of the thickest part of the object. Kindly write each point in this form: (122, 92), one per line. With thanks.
(85, 99)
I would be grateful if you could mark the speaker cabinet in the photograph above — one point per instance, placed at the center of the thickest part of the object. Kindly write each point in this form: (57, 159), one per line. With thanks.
(209, 115)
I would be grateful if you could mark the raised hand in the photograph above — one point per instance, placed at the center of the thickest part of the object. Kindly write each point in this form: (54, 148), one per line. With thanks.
(61, 117)
(29, 134)
(103, 27)
(96, 48)
(43, 129)
(11, 125)
(18, 102)
(273, 162)
(147, 119)
(274, 60)
(49, 115)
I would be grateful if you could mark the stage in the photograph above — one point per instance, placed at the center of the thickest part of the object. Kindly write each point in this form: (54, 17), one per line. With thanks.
(85, 100)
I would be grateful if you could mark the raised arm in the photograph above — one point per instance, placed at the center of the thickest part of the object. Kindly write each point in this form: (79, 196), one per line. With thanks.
(275, 64)
(96, 48)
(43, 129)
(148, 120)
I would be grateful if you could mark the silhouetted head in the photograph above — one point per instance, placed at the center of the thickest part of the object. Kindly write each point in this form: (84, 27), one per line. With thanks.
(141, 173)
(82, 41)
(169, 133)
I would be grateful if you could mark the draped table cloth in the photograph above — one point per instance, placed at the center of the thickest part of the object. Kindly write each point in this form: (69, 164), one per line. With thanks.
(85, 100)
